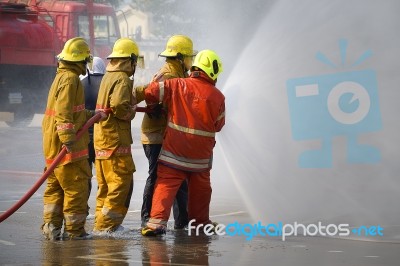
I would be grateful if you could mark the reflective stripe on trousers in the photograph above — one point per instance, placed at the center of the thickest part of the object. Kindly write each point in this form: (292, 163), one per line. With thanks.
(168, 183)
(186, 163)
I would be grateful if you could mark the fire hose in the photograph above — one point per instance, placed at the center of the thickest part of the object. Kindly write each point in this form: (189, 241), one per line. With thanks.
(56, 161)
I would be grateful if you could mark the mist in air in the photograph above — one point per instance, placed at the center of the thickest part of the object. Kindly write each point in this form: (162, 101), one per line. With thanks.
(263, 45)
(269, 49)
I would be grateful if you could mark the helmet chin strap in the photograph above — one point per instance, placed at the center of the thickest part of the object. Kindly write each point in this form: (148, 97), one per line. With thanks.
(183, 66)
(181, 59)
(133, 64)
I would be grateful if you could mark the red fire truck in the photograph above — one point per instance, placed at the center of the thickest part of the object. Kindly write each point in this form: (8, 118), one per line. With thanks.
(32, 34)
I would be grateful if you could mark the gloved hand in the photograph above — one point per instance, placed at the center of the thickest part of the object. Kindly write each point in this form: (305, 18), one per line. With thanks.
(103, 115)
(156, 111)
(68, 145)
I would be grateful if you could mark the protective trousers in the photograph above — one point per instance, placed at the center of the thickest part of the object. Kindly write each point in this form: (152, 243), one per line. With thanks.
(65, 196)
(168, 182)
(115, 185)
(152, 152)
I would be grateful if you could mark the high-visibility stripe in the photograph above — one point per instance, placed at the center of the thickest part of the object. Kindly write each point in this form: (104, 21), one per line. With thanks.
(155, 223)
(110, 213)
(191, 130)
(70, 156)
(74, 218)
(99, 106)
(184, 162)
(65, 126)
(161, 86)
(78, 108)
(50, 112)
(221, 116)
(52, 208)
(108, 153)
(184, 159)
(75, 109)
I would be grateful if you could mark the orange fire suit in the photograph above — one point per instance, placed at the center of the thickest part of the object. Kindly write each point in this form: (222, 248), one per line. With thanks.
(153, 129)
(65, 196)
(112, 143)
(196, 111)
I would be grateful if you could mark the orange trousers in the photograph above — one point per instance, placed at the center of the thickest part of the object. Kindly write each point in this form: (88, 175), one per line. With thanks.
(168, 182)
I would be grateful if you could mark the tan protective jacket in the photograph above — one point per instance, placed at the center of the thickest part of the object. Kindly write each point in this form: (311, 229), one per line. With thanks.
(65, 114)
(113, 135)
(153, 128)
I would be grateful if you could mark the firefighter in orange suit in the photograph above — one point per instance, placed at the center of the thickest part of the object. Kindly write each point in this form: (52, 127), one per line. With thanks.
(113, 138)
(196, 111)
(66, 193)
(179, 55)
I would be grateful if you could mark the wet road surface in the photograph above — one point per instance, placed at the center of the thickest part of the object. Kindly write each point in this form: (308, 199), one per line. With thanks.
(21, 242)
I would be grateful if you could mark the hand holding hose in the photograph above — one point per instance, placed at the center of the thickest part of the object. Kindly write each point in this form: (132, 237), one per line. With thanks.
(103, 114)
(68, 145)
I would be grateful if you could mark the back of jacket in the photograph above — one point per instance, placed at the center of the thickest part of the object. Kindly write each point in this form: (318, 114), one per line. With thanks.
(113, 135)
(65, 114)
(196, 111)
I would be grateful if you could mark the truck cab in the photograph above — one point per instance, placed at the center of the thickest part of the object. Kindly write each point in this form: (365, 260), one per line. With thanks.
(97, 23)
(33, 33)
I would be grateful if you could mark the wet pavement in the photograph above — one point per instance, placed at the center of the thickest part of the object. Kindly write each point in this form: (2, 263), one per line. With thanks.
(21, 242)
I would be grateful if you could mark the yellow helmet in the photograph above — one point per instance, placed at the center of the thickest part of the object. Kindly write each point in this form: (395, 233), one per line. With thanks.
(75, 50)
(125, 48)
(209, 62)
(178, 44)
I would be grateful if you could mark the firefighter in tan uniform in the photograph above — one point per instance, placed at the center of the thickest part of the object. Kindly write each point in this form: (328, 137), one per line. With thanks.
(113, 138)
(179, 57)
(66, 193)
